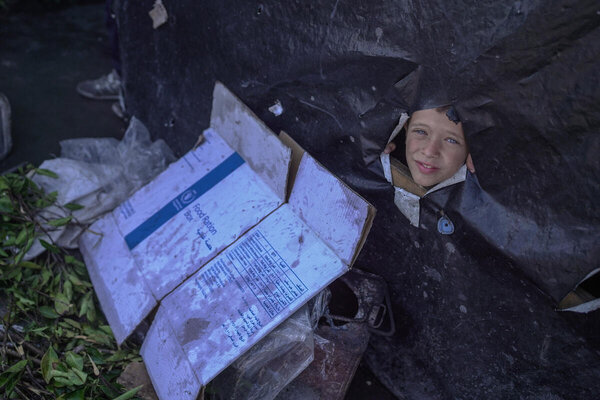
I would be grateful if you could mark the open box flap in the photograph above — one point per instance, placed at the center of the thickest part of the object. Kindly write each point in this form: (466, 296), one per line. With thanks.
(249, 136)
(122, 291)
(337, 214)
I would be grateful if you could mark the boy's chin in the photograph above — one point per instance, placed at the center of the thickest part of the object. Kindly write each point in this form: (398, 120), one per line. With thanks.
(427, 181)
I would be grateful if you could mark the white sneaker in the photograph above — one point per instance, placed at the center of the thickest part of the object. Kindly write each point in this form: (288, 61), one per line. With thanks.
(104, 88)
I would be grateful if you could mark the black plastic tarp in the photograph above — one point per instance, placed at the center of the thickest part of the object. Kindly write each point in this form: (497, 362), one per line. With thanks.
(476, 310)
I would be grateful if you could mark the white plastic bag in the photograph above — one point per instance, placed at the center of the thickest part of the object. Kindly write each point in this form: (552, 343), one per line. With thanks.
(98, 174)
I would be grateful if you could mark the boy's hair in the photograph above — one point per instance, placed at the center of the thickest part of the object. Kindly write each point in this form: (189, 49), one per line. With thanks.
(450, 112)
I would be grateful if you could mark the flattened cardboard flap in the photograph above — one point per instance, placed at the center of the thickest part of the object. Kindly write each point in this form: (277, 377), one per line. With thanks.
(250, 137)
(337, 214)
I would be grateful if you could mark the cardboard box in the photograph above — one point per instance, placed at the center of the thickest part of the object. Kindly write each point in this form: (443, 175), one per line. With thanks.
(213, 243)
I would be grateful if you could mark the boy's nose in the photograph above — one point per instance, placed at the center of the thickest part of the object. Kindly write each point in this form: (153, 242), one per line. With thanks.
(431, 149)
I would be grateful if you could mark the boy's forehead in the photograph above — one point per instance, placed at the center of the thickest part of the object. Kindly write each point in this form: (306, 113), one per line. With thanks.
(435, 117)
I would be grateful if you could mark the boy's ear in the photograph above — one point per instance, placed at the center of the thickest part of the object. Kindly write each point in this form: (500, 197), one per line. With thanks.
(469, 163)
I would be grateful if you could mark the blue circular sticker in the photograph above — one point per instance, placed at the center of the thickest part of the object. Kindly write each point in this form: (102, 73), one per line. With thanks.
(445, 226)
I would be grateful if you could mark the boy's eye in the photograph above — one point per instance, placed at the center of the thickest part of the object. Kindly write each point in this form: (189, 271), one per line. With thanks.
(453, 141)
(419, 132)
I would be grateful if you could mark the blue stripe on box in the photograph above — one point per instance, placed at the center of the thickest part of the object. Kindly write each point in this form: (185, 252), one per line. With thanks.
(192, 193)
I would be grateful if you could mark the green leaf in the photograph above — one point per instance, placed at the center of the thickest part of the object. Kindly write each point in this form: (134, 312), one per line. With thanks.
(50, 247)
(109, 392)
(23, 300)
(73, 323)
(4, 183)
(129, 394)
(106, 329)
(61, 304)
(72, 377)
(46, 172)
(22, 236)
(60, 221)
(19, 257)
(29, 243)
(51, 197)
(79, 284)
(118, 355)
(72, 260)
(74, 360)
(73, 206)
(77, 376)
(48, 312)
(48, 364)
(68, 290)
(18, 367)
(76, 395)
(46, 275)
(29, 264)
(86, 301)
(11, 376)
(90, 314)
(97, 357)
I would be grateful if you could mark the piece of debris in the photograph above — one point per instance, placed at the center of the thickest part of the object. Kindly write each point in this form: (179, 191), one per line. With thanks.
(201, 139)
(277, 108)
(158, 14)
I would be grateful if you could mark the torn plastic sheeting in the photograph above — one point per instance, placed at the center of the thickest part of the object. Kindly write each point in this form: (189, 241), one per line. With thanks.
(524, 76)
(98, 174)
(397, 57)
(263, 371)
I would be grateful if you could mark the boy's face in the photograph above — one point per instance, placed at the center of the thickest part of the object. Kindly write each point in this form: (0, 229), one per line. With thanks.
(435, 147)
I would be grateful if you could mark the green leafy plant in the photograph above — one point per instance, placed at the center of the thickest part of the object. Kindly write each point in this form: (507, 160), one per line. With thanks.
(55, 341)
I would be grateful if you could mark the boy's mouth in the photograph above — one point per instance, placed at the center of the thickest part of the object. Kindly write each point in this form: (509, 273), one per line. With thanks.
(426, 168)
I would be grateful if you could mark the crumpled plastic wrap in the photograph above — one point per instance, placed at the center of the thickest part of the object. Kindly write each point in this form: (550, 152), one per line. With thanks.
(475, 309)
(98, 174)
(263, 371)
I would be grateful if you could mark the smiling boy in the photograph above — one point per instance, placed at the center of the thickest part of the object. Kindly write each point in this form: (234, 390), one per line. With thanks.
(435, 147)
(437, 156)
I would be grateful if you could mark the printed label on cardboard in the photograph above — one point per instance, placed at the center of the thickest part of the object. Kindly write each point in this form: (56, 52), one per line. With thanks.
(247, 290)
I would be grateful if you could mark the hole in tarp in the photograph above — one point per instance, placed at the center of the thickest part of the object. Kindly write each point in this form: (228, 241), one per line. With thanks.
(586, 291)
(592, 285)
(343, 302)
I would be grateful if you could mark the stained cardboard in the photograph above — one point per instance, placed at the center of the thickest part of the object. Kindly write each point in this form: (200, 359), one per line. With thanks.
(212, 241)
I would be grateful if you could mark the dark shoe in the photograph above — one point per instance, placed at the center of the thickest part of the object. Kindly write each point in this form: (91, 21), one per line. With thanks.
(104, 88)
(5, 138)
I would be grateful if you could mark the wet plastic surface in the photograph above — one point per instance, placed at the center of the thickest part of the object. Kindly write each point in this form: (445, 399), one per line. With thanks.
(97, 174)
(475, 309)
